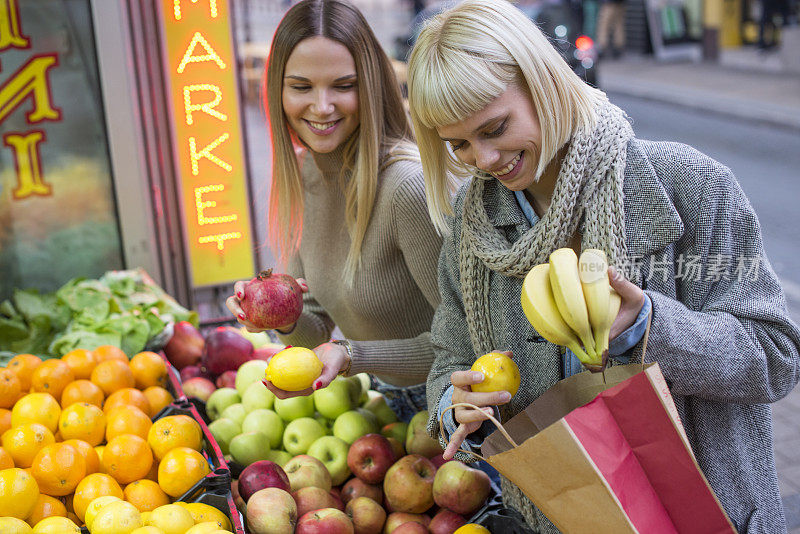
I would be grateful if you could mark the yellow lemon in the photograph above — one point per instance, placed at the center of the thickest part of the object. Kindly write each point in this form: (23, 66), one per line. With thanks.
(145, 517)
(95, 506)
(149, 530)
(19, 493)
(500, 373)
(12, 525)
(294, 369)
(171, 518)
(205, 528)
(202, 513)
(472, 528)
(118, 517)
(56, 525)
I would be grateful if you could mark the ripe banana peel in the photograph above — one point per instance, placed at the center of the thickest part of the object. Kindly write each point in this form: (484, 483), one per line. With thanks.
(568, 293)
(539, 306)
(593, 272)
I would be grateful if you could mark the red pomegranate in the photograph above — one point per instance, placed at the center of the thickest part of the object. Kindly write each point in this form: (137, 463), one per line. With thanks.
(272, 300)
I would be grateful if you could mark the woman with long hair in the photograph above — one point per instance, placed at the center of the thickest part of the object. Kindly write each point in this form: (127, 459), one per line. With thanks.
(349, 213)
(551, 163)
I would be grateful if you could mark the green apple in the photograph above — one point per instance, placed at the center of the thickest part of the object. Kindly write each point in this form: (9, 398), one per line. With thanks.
(234, 412)
(371, 417)
(352, 425)
(325, 422)
(268, 423)
(300, 434)
(397, 430)
(248, 373)
(418, 441)
(332, 452)
(258, 339)
(294, 407)
(224, 430)
(249, 447)
(340, 396)
(219, 400)
(257, 396)
(366, 383)
(382, 411)
(279, 457)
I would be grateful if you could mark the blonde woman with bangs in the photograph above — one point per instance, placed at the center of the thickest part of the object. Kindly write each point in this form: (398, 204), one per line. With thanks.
(551, 163)
(347, 204)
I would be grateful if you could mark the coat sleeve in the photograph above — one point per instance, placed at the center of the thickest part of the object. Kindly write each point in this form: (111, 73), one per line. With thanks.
(314, 326)
(449, 334)
(729, 337)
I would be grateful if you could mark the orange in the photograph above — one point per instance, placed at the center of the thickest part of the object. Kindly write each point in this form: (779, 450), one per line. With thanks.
(180, 469)
(56, 525)
(10, 388)
(18, 493)
(82, 391)
(145, 495)
(89, 454)
(127, 420)
(46, 506)
(149, 369)
(112, 375)
(109, 352)
(127, 397)
(57, 469)
(159, 398)
(91, 487)
(23, 365)
(23, 442)
(153, 473)
(81, 361)
(40, 408)
(127, 458)
(5, 420)
(174, 431)
(83, 421)
(52, 376)
(6, 461)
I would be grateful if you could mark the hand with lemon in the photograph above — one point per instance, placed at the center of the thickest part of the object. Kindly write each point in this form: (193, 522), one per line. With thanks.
(492, 381)
(297, 371)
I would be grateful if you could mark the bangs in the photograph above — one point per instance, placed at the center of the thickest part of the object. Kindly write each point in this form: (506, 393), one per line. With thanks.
(454, 85)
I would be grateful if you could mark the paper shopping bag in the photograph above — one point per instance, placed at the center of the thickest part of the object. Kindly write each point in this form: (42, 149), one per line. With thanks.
(608, 457)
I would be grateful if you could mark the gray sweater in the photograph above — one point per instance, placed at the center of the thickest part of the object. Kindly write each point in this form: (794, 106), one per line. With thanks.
(723, 339)
(387, 313)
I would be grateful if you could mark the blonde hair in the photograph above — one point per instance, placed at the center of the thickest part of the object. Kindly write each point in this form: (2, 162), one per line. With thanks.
(466, 57)
(382, 137)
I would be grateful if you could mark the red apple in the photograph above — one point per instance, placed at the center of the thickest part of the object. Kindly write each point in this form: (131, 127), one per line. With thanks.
(271, 511)
(412, 527)
(370, 457)
(395, 519)
(185, 347)
(337, 498)
(460, 488)
(237, 497)
(355, 487)
(260, 475)
(325, 521)
(446, 522)
(199, 387)
(226, 349)
(304, 470)
(266, 353)
(399, 450)
(367, 515)
(439, 460)
(191, 371)
(311, 498)
(408, 485)
(226, 380)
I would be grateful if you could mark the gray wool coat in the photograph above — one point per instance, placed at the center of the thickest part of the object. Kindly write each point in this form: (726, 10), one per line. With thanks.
(720, 328)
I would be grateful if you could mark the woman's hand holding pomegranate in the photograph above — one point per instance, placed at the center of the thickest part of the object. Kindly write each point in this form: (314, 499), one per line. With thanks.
(268, 302)
(632, 301)
(468, 419)
(334, 358)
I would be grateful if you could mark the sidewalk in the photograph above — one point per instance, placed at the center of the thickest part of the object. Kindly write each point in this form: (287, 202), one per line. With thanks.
(751, 86)
(745, 83)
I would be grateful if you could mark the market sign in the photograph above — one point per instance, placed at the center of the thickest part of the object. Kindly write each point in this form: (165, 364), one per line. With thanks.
(207, 139)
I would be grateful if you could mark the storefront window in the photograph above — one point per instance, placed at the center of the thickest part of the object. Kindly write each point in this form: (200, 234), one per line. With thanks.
(57, 211)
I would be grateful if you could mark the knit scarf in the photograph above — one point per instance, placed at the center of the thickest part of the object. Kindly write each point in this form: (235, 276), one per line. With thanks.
(588, 192)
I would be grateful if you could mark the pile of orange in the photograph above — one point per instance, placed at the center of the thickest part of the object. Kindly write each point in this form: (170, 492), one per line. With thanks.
(80, 427)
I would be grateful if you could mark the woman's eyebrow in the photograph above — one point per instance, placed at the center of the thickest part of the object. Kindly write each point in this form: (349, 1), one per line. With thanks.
(303, 79)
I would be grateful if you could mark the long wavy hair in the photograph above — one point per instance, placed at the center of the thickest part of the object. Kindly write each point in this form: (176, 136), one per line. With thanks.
(383, 135)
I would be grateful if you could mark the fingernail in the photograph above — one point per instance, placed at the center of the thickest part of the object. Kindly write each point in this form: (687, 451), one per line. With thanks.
(477, 376)
(239, 295)
(505, 396)
(288, 347)
(264, 382)
(241, 317)
(317, 385)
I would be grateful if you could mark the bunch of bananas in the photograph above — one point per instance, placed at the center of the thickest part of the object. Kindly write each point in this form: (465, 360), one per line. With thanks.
(570, 302)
